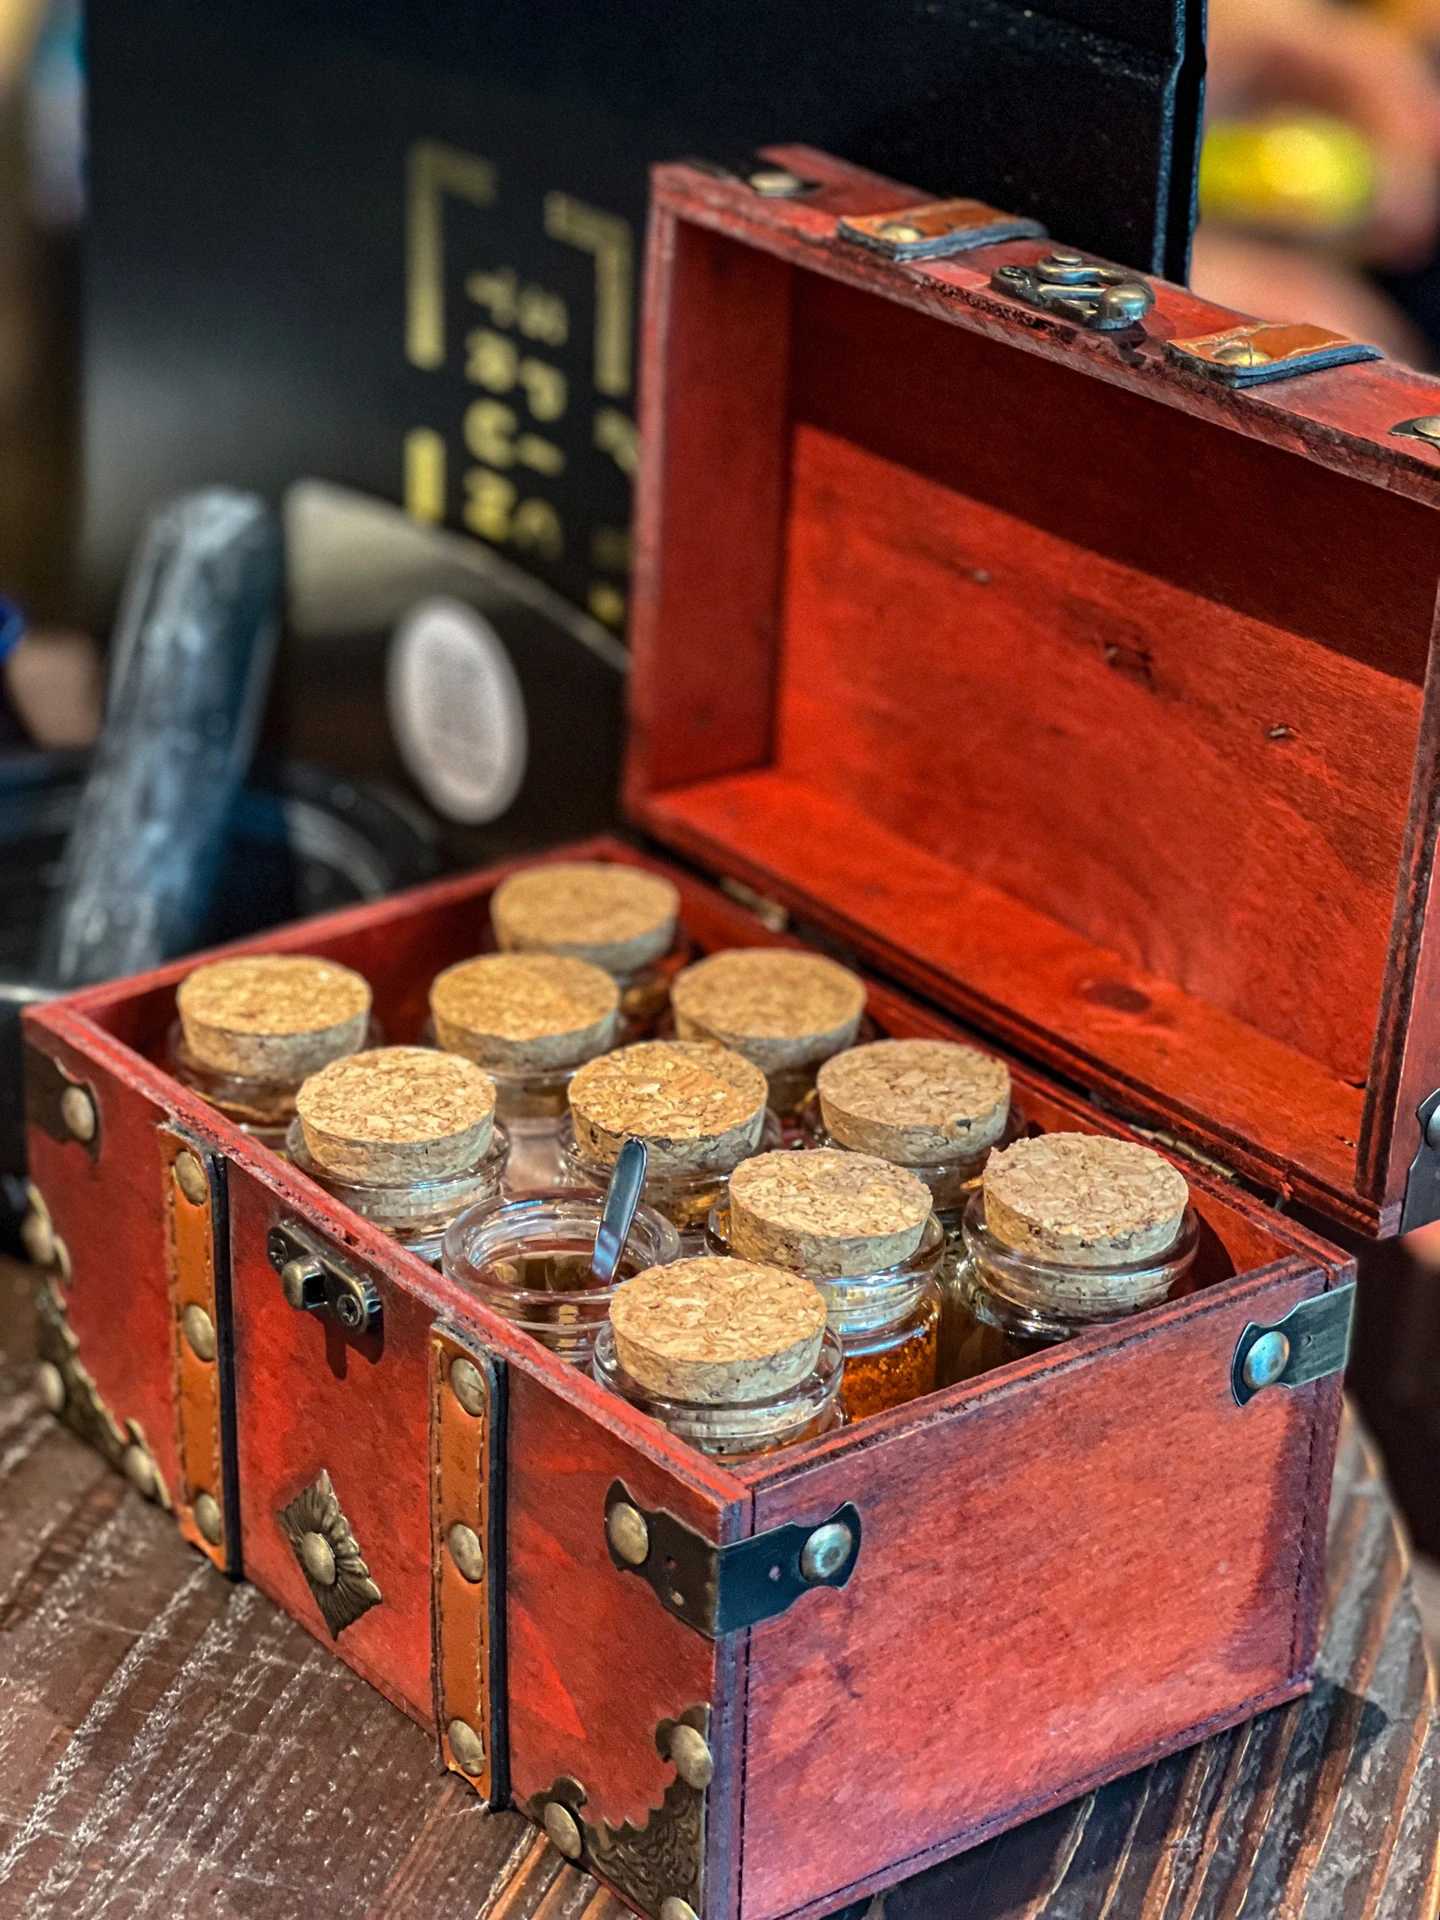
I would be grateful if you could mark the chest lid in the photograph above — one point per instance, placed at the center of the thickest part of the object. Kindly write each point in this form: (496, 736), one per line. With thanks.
(1086, 694)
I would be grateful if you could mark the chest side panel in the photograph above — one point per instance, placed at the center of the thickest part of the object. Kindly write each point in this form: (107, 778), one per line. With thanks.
(1060, 1579)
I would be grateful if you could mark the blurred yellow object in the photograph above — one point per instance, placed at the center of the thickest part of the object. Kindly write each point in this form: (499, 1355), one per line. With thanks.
(1300, 174)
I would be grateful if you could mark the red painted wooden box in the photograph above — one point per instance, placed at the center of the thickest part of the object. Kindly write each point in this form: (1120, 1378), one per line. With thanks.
(1086, 702)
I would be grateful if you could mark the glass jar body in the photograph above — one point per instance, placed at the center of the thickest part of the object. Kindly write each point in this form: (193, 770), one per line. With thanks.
(262, 1108)
(736, 1430)
(532, 1108)
(415, 1212)
(887, 1322)
(685, 1199)
(529, 1260)
(1000, 1305)
(951, 1182)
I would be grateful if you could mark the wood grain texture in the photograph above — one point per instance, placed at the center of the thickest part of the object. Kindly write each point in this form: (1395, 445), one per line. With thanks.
(172, 1744)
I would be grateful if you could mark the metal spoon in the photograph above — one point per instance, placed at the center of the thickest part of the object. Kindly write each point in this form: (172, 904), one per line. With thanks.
(617, 1216)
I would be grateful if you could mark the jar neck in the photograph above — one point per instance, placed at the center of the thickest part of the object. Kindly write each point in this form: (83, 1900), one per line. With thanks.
(1045, 1296)
(532, 1102)
(414, 1212)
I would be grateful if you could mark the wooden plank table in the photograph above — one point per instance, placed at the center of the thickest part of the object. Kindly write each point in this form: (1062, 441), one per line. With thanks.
(174, 1745)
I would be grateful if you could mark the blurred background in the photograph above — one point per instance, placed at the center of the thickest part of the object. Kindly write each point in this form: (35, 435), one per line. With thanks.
(378, 264)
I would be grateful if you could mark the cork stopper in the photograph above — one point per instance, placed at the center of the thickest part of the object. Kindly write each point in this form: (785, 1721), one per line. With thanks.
(616, 917)
(274, 1016)
(780, 1009)
(827, 1212)
(713, 1331)
(916, 1102)
(1083, 1199)
(525, 1012)
(397, 1114)
(697, 1107)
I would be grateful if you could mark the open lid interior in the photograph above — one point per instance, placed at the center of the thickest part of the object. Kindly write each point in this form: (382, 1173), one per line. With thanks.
(1083, 697)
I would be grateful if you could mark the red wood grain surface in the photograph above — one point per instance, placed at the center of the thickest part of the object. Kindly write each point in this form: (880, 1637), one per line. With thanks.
(1163, 855)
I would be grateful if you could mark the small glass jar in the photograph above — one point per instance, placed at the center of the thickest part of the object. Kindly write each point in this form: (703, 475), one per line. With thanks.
(1002, 1305)
(685, 1199)
(530, 1261)
(532, 1108)
(262, 1108)
(951, 1182)
(738, 1429)
(887, 1322)
(414, 1212)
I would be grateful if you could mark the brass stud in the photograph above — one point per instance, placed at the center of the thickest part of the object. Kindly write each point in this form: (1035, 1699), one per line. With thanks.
(199, 1331)
(672, 1907)
(563, 1830)
(466, 1745)
(77, 1110)
(1425, 426)
(900, 231)
(207, 1518)
(317, 1556)
(139, 1470)
(37, 1233)
(466, 1551)
(468, 1384)
(826, 1551)
(691, 1753)
(190, 1178)
(627, 1533)
(51, 1382)
(1266, 1360)
(775, 183)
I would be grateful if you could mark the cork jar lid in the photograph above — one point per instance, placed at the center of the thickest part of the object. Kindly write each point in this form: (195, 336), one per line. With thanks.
(918, 1102)
(525, 1012)
(273, 1016)
(1084, 1200)
(827, 1212)
(698, 1107)
(779, 1008)
(397, 1114)
(712, 1331)
(616, 917)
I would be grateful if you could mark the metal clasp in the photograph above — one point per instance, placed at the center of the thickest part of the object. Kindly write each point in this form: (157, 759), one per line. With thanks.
(1103, 298)
(1310, 1343)
(937, 229)
(314, 1281)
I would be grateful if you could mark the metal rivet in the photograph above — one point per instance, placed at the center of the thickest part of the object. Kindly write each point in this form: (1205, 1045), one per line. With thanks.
(466, 1745)
(900, 231)
(469, 1385)
(207, 1518)
(627, 1533)
(190, 1178)
(139, 1470)
(1425, 426)
(1432, 1130)
(51, 1382)
(1266, 1361)
(77, 1110)
(691, 1753)
(776, 181)
(38, 1236)
(466, 1551)
(826, 1551)
(317, 1556)
(199, 1331)
(672, 1907)
(563, 1829)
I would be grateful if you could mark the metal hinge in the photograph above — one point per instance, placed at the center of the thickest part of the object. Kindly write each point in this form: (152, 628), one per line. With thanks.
(1261, 351)
(1310, 1343)
(1421, 1203)
(718, 1590)
(937, 229)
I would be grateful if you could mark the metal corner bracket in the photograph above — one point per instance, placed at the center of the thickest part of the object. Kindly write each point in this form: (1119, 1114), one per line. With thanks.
(720, 1589)
(1310, 1343)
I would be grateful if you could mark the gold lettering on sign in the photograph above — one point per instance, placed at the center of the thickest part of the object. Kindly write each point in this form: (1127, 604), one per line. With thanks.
(424, 474)
(608, 238)
(434, 170)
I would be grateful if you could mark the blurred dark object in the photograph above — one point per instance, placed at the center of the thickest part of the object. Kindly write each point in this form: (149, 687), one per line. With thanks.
(1395, 1370)
(397, 248)
(301, 840)
(190, 668)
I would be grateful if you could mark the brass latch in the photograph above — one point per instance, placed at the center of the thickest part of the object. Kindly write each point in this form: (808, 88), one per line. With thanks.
(1310, 1343)
(313, 1280)
(718, 1590)
(937, 229)
(1261, 351)
(1103, 298)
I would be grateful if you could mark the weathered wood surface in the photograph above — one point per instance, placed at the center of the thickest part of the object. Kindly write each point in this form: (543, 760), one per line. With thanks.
(170, 1744)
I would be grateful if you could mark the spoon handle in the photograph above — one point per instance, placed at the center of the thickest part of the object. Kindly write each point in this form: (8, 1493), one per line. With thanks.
(618, 1215)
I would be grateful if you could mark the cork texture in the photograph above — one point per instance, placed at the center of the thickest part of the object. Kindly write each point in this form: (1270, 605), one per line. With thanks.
(711, 1330)
(1083, 1199)
(619, 918)
(525, 1012)
(272, 1016)
(780, 1009)
(698, 1107)
(917, 1102)
(829, 1212)
(397, 1114)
